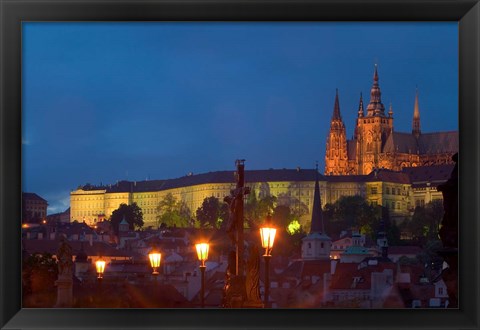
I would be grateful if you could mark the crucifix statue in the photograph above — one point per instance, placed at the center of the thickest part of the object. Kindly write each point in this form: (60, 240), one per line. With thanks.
(235, 292)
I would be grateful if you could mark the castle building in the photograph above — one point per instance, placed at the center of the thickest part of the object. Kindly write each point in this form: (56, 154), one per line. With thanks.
(399, 191)
(377, 145)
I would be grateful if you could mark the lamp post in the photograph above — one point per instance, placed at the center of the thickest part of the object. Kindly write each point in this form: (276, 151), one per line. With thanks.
(155, 258)
(202, 253)
(267, 236)
(100, 266)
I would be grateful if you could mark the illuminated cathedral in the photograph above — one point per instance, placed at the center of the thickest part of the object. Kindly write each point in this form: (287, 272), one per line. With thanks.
(376, 145)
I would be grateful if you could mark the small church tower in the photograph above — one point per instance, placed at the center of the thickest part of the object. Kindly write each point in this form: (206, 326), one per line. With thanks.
(336, 157)
(316, 245)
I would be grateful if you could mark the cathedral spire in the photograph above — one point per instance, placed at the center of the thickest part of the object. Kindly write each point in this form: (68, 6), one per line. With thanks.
(375, 107)
(336, 108)
(317, 225)
(390, 110)
(360, 107)
(416, 117)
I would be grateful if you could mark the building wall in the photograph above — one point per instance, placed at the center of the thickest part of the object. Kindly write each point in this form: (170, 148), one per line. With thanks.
(33, 210)
(92, 206)
(397, 197)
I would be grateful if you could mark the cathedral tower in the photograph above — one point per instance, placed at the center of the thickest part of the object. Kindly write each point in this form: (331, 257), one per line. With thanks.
(336, 157)
(373, 129)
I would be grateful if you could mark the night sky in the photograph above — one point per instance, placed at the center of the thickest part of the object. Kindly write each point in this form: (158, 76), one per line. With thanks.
(112, 101)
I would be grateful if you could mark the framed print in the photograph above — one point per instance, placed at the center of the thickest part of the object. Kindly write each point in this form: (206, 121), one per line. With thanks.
(239, 164)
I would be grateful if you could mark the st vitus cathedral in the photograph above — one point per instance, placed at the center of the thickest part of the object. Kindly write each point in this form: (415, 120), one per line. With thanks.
(376, 145)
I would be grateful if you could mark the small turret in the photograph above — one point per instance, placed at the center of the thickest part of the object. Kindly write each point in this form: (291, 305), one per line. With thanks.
(360, 107)
(416, 117)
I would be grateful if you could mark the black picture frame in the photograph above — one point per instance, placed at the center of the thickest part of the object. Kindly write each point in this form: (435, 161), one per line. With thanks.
(13, 12)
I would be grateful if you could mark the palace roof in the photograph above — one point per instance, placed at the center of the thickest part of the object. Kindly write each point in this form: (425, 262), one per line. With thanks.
(270, 175)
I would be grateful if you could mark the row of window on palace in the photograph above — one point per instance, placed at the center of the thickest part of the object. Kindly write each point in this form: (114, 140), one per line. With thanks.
(389, 191)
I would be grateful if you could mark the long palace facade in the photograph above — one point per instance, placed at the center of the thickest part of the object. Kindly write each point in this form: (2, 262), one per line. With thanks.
(399, 191)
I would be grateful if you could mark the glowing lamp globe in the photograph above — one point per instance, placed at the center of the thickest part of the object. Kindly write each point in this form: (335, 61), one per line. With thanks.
(267, 236)
(202, 252)
(100, 266)
(155, 258)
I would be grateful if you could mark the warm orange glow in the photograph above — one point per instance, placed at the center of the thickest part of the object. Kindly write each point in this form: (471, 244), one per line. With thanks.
(155, 258)
(267, 236)
(44, 221)
(202, 252)
(24, 225)
(100, 265)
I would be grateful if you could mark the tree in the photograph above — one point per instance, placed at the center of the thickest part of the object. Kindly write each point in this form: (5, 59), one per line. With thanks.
(282, 216)
(352, 212)
(251, 209)
(132, 213)
(297, 207)
(425, 221)
(434, 213)
(173, 213)
(212, 213)
(39, 273)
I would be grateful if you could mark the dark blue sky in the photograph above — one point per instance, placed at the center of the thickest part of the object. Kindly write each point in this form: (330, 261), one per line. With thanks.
(110, 101)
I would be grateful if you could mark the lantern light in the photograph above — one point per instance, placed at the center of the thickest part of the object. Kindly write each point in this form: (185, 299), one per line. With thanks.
(100, 265)
(155, 258)
(267, 236)
(202, 252)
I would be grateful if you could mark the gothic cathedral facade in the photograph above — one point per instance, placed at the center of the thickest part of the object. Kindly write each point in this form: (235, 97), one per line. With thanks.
(376, 145)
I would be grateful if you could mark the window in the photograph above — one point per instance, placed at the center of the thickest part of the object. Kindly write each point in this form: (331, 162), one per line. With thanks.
(388, 191)
(374, 190)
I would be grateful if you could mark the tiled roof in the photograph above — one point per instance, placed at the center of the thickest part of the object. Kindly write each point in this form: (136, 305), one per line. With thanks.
(271, 175)
(51, 246)
(385, 175)
(435, 174)
(316, 267)
(356, 250)
(427, 143)
(32, 196)
(343, 279)
(438, 142)
(401, 142)
(404, 250)
(345, 178)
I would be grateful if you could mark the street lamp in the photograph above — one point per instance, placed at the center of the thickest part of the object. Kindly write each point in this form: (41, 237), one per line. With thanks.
(100, 266)
(202, 253)
(267, 236)
(155, 258)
